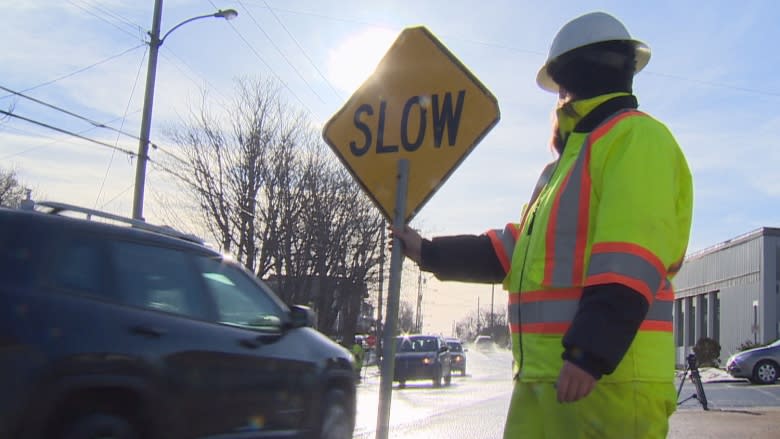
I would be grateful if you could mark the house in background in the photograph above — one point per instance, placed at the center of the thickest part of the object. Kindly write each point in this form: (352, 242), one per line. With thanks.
(729, 292)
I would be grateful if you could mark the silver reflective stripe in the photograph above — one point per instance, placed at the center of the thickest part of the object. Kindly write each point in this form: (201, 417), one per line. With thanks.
(660, 310)
(556, 311)
(565, 228)
(547, 311)
(626, 264)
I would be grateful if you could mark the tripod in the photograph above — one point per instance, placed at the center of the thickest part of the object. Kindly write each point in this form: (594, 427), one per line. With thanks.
(692, 368)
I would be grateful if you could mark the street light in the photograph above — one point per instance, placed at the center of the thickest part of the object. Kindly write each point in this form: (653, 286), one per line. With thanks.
(146, 119)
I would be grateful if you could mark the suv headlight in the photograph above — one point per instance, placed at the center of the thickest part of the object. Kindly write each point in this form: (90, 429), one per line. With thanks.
(427, 360)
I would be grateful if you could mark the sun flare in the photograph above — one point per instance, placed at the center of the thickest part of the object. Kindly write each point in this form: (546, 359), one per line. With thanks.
(354, 60)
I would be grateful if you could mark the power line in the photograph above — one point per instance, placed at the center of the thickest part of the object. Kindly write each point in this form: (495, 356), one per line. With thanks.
(70, 133)
(280, 52)
(102, 206)
(714, 84)
(254, 51)
(517, 49)
(124, 117)
(116, 16)
(103, 19)
(338, 95)
(79, 70)
(53, 140)
(70, 113)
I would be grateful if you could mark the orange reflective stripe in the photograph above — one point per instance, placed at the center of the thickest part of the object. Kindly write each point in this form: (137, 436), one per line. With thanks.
(634, 284)
(561, 294)
(545, 328)
(504, 244)
(561, 328)
(675, 267)
(656, 325)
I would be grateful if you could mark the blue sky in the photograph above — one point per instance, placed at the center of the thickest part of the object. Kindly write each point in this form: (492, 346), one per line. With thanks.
(712, 79)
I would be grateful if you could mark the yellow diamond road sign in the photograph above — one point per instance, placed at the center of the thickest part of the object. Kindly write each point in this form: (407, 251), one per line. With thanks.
(421, 104)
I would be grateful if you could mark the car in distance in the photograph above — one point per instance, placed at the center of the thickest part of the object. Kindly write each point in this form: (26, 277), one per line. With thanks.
(138, 331)
(484, 343)
(759, 365)
(422, 357)
(457, 354)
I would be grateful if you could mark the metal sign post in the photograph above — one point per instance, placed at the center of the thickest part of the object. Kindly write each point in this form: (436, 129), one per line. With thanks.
(393, 297)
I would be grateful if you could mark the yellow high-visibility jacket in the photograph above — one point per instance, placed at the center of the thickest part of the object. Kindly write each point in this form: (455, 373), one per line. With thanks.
(615, 207)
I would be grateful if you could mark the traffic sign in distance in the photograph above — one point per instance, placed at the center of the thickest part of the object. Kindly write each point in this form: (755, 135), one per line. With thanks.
(421, 104)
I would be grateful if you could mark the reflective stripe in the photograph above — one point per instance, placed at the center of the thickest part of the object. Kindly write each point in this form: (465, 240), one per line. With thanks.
(660, 310)
(568, 226)
(625, 268)
(567, 229)
(555, 316)
(504, 244)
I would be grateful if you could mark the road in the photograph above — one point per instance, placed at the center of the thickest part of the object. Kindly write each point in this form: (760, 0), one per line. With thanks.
(474, 406)
(486, 388)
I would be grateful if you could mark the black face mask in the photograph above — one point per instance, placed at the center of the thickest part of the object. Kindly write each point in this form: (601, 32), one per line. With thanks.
(596, 69)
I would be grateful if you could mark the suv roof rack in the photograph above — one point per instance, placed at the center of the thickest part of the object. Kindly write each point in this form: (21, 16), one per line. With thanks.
(56, 208)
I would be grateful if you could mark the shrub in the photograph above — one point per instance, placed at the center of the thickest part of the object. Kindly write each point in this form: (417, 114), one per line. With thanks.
(707, 352)
(747, 344)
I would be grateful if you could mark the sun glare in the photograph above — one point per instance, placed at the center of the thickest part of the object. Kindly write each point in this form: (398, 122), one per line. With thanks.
(354, 60)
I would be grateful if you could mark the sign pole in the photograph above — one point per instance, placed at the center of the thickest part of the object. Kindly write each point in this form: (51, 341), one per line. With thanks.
(393, 297)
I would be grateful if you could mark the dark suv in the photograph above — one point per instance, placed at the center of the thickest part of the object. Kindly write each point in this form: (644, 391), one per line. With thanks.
(117, 331)
(422, 357)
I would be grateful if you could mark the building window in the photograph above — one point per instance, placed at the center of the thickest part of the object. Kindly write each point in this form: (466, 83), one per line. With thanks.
(716, 317)
(691, 319)
(705, 316)
(678, 322)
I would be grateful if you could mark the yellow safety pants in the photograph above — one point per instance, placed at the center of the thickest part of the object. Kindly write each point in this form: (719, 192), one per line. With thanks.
(621, 411)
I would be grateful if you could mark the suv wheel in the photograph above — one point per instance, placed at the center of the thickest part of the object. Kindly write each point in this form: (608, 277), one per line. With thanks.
(100, 426)
(765, 372)
(336, 421)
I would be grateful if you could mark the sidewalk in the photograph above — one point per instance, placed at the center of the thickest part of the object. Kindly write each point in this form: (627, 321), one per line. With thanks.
(749, 422)
(753, 422)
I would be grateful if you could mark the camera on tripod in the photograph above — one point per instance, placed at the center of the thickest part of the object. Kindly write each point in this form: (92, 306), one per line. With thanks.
(691, 361)
(693, 370)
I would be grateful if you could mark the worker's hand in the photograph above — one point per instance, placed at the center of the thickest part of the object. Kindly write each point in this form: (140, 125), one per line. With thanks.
(412, 242)
(574, 383)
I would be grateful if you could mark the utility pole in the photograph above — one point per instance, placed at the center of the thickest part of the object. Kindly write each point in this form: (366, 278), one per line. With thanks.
(146, 117)
(478, 331)
(492, 294)
(155, 41)
(379, 301)
(418, 320)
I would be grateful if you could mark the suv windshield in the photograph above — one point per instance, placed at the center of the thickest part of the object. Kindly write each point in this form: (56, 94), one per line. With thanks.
(455, 346)
(417, 344)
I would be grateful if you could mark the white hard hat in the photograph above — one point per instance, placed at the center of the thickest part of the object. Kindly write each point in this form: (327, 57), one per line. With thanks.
(595, 27)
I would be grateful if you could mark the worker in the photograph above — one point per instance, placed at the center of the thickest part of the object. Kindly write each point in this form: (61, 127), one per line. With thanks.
(589, 264)
(358, 353)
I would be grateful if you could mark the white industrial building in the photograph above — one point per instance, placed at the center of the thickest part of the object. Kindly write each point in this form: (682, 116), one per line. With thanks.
(729, 292)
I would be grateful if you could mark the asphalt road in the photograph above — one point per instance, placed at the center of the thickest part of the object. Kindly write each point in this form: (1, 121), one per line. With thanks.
(475, 405)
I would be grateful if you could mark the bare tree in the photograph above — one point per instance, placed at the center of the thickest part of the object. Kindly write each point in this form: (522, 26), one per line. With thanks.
(405, 317)
(472, 325)
(12, 192)
(274, 196)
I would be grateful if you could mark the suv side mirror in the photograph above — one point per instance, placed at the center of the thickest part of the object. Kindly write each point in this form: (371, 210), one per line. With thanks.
(302, 316)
